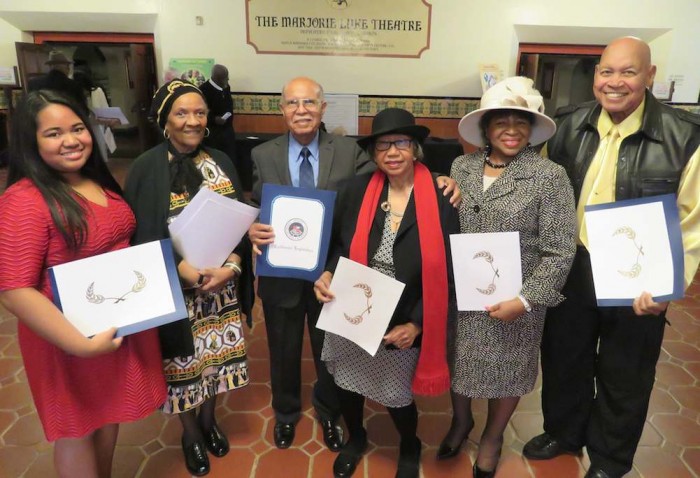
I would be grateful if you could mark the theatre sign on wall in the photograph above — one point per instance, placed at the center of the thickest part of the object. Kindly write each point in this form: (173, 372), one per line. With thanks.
(393, 28)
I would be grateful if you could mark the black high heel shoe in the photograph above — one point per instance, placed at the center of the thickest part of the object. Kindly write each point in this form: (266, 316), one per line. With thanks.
(445, 451)
(479, 473)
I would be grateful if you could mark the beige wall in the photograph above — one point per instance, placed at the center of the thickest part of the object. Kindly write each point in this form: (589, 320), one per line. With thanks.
(464, 34)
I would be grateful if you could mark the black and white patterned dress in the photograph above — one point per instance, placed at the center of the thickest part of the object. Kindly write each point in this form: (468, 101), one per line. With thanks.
(490, 358)
(385, 378)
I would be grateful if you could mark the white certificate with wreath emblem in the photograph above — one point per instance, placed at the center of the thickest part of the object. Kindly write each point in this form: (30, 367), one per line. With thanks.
(364, 302)
(132, 289)
(487, 268)
(635, 246)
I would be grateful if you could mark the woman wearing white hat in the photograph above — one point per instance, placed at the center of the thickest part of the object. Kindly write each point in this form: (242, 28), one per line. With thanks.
(508, 186)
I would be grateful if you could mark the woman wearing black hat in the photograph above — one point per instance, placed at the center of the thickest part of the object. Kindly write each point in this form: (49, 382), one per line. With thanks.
(396, 221)
(205, 354)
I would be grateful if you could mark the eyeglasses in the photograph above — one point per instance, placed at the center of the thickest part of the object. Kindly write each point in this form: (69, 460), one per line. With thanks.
(308, 103)
(399, 143)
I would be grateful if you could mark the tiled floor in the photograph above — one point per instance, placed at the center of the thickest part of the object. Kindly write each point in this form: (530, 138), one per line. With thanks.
(670, 446)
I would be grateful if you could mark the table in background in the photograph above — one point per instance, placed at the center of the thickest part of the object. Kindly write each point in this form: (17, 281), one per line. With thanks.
(439, 154)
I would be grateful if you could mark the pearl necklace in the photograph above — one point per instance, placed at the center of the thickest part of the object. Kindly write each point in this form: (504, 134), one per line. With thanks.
(494, 165)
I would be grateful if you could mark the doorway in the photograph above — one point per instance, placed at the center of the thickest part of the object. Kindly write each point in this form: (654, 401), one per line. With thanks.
(562, 73)
(122, 65)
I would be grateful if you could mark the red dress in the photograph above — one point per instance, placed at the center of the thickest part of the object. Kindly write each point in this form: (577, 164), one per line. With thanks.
(75, 396)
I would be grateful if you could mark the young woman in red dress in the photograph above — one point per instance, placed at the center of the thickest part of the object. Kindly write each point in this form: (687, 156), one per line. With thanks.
(62, 204)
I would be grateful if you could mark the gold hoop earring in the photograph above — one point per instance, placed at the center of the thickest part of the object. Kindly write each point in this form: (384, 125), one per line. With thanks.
(166, 135)
(206, 132)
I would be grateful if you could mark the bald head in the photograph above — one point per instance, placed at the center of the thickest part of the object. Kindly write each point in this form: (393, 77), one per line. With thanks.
(632, 48)
(622, 76)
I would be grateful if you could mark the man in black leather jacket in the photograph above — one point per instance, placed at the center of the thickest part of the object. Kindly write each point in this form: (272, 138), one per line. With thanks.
(624, 145)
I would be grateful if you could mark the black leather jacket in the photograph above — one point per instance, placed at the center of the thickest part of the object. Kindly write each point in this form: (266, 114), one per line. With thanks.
(650, 161)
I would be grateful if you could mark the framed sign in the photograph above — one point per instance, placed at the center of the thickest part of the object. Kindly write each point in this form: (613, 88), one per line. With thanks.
(395, 28)
(9, 76)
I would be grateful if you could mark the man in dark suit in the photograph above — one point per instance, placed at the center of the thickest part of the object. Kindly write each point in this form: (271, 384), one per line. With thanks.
(287, 302)
(57, 79)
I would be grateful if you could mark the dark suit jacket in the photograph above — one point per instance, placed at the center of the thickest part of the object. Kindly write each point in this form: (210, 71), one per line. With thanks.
(407, 251)
(340, 158)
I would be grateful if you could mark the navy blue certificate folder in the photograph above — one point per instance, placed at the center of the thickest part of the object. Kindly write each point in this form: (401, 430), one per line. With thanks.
(302, 220)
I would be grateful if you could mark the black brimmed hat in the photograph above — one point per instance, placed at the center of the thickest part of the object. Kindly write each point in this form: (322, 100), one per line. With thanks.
(394, 121)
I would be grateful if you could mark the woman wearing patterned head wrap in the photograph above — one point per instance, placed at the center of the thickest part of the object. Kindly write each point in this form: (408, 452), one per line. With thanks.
(205, 354)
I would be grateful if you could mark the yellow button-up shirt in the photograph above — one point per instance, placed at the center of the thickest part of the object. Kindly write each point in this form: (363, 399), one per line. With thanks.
(599, 185)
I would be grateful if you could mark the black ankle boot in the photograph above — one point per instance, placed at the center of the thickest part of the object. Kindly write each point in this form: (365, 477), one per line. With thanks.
(409, 458)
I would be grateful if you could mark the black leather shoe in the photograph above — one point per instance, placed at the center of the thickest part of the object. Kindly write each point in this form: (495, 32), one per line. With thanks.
(216, 441)
(196, 458)
(284, 434)
(332, 435)
(545, 446)
(479, 473)
(596, 473)
(346, 462)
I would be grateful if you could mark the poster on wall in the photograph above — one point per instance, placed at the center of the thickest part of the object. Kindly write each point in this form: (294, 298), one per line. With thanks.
(398, 28)
(489, 76)
(194, 70)
(341, 115)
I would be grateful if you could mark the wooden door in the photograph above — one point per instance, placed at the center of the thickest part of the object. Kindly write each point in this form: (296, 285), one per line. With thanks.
(31, 58)
(142, 78)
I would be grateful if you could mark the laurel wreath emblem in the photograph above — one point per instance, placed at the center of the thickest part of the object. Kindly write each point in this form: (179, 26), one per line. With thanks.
(636, 268)
(355, 320)
(94, 298)
(488, 257)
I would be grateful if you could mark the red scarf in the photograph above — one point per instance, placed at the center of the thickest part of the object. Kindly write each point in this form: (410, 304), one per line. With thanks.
(432, 376)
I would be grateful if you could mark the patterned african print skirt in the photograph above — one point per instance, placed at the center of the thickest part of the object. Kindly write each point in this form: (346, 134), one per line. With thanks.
(219, 361)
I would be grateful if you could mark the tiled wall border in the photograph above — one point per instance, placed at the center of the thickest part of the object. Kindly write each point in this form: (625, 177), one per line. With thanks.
(422, 107)
(426, 107)
(445, 108)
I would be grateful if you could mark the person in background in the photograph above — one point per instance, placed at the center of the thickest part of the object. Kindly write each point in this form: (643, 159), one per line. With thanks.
(599, 363)
(61, 205)
(508, 187)
(205, 354)
(217, 93)
(58, 79)
(96, 98)
(395, 221)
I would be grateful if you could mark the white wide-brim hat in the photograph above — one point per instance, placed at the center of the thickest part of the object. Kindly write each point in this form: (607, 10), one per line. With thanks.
(514, 93)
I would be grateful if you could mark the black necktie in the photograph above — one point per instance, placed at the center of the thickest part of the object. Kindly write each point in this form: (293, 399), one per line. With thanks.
(306, 172)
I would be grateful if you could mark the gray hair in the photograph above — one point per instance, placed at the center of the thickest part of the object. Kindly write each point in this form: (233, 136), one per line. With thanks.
(319, 89)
